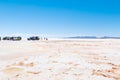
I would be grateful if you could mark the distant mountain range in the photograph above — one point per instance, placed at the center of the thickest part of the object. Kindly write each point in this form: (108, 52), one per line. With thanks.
(91, 37)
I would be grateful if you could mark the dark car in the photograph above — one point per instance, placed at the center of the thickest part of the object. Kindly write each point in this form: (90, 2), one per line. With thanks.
(6, 38)
(16, 38)
(33, 38)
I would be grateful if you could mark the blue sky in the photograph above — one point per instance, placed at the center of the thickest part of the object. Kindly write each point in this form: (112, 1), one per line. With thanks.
(60, 17)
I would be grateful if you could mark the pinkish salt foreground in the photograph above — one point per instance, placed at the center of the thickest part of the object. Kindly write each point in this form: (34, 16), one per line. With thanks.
(60, 60)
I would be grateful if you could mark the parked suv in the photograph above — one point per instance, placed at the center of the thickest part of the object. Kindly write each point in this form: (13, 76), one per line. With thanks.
(33, 38)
